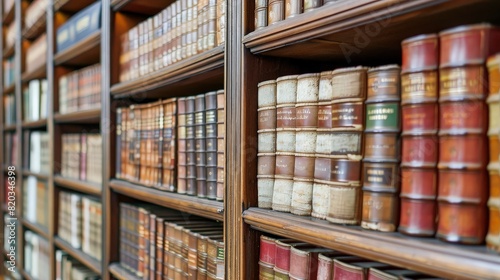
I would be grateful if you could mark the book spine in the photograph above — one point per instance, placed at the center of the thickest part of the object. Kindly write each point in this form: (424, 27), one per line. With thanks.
(159, 248)
(200, 143)
(381, 184)
(286, 98)
(275, 11)
(293, 8)
(306, 110)
(493, 236)
(118, 149)
(181, 150)
(210, 143)
(190, 146)
(170, 149)
(266, 156)
(260, 20)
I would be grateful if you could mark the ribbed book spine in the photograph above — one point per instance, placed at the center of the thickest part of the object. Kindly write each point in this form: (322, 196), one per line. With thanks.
(200, 138)
(181, 146)
(190, 147)
(211, 144)
(221, 144)
(381, 183)
(419, 114)
(266, 133)
(169, 148)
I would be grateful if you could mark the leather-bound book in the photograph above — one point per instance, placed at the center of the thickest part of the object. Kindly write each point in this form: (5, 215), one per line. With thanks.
(304, 262)
(200, 140)
(260, 14)
(169, 149)
(211, 138)
(283, 250)
(419, 116)
(310, 5)
(493, 100)
(350, 268)
(119, 144)
(267, 257)
(190, 147)
(181, 146)
(275, 11)
(305, 143)
(293, 7)
(266, 157)
(391, 273)
(381, 183)
(286, 94)
(220, 144)
(325, 264)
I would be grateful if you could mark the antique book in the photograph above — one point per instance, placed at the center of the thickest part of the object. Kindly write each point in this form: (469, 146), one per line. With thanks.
(292, 8)
(381, 160)
(36, 54)
(305, 144)
(167, 148)
(275, 11)
(493, 100)
(260, 20)
(210, 143)
(181, 146)
(266, 133)
(304, 262)
(221, 144)
(286, 97)
(355, 270)
(310, 5)
(190, 146)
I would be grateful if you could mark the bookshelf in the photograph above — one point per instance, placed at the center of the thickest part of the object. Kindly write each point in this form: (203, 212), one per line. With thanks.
(310, 42)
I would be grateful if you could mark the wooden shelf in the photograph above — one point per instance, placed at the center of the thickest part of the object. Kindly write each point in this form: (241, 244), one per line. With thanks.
(35, 124)
(80, 186)
(9, 16)
(325, 33)
(202, 71)
(8, 52)
(83, 53)
(86, 116)
(39, 176)
(11, 127)
(9, 89)
(71, 6)
(39, 73)
(79, 255)
(190, 204)
(427, 255)
(37, 29)
(121, 273)
(139, 6)
(36, 228)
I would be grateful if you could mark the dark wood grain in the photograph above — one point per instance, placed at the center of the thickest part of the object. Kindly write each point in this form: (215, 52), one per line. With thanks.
(204, 71)
(189, 204)
(139, 6)
(35, 124)
(121, 273)
(71, 6)
(39, 73)
(43, 232)
(40, 176)
(426, 255)
(86, 116)
(9, 89)
(80, 256)
(79, 186)
(37, 29)
(83, 53)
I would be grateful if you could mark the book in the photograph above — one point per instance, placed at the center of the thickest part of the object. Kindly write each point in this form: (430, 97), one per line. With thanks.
(36, 255)
(221, 145)
(81, 157)
(36, 54)
(10, 109)
(419, 114)
(34, 12)
(80, 89)
(381, 184)
(493, 100)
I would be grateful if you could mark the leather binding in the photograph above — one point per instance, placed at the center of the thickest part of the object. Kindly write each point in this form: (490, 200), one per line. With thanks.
(380, 171)
(349, 84)
(304, 262)
(465, 82)
(181, 151)
(418, 217)
(455, 117)
(267, 250)
(347, 116)
(276, 11)
(419, 119)
(120, 141)
(468, 44)
(420, 53)
(325, 267)
(283, 250)
(454, 151)
(419, 183)
(286, 98)
(266, 156)
(293, 8)
(310, 5)
(221, 146)
(200, 134)
(419, 87)
(305, 144)
(390, 273)
(190, 143)
(346, 268)
(419, 151)
(455, 186)
(325, 95)
(260, 14)
(340, 144)
(211, 132)
(266, 271)
(462, 222)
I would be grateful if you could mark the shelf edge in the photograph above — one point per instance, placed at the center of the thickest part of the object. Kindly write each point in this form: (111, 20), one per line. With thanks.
(80, 186)
(79, 255)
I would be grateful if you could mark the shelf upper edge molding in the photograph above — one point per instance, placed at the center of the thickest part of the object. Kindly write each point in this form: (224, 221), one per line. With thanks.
(331, 19)
(190, 204)
(420, 254)
(91, 115)
(78, 49)
(186, 68)
(77, 185)
(34, 124)
(36, 228)
(78, 254)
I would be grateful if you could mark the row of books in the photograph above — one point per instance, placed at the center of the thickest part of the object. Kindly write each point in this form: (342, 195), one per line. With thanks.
(35, 102)
(79, 26)
(82, 157)
(35, 201)
(80, 90)
(80, 223)
(183, 29)
(36, 156)
(282, 258)
(36, 256)
(67, 268)
(330, 143)
(174, 145)
(9, 108)
(8, 71)
(9, 149)
(268, 12)
(34, 12)
(169, 244)
(36, 55)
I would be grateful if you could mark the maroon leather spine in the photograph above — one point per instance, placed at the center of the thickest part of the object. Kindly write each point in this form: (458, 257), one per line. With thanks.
(462, 222)
(454, 151)
(418, 217)
(419, 151)
(267, 250)
(420, 53)
(419, 183)
(455, 186)
(463, 117)
(420, 119)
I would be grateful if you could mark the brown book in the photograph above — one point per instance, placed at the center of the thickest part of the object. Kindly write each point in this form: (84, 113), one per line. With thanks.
(292, 8)
(275, 11)
(221, 144)
(260, 14)
(381, 160)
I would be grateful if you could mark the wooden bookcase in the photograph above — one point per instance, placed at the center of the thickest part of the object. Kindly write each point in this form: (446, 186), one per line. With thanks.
(309, 42)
